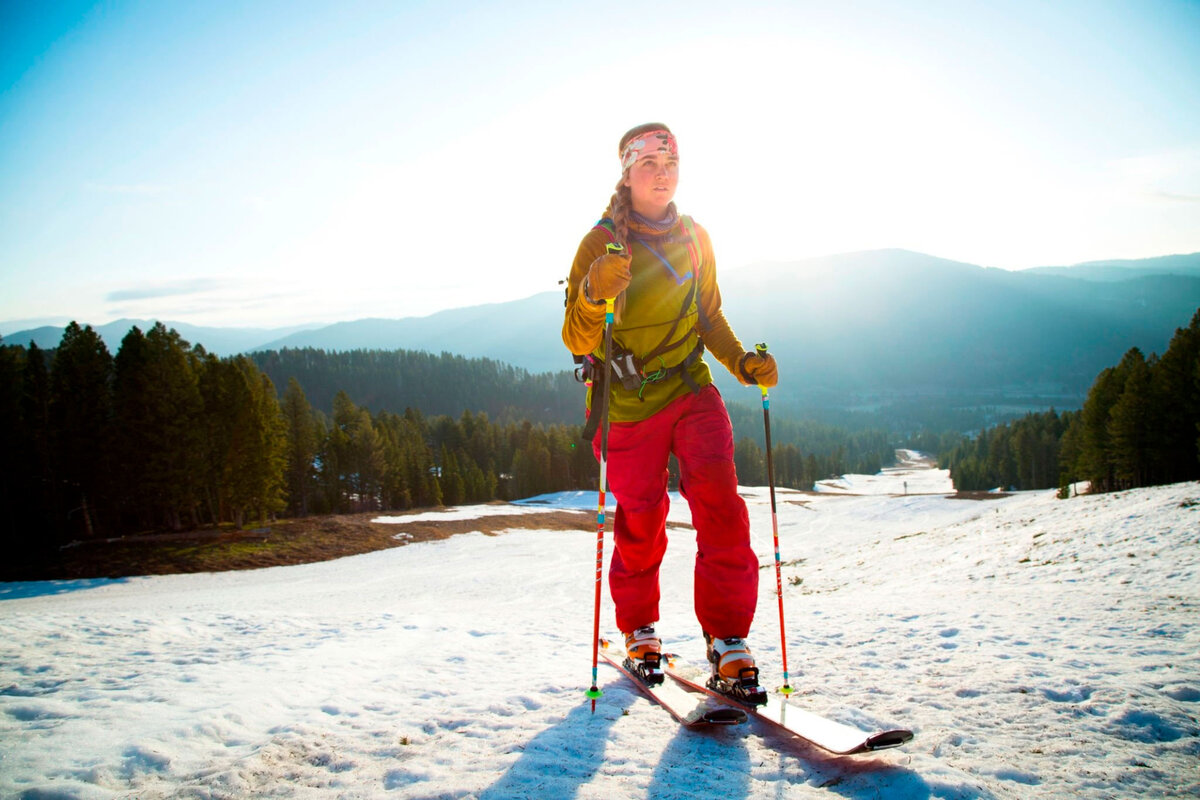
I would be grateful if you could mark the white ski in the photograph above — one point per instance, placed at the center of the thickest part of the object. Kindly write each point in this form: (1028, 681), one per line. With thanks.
(784, 713)
(691, 708)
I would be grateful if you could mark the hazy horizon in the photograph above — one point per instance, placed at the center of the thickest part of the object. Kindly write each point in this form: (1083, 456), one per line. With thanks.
(8, 327)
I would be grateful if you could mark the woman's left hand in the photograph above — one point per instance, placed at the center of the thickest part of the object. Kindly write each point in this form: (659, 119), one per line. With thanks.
(758, 369)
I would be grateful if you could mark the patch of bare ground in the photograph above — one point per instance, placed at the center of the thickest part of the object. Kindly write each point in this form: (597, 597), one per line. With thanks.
(302, 540)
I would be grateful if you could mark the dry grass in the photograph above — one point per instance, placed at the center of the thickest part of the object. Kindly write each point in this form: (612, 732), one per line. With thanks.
(292, 541)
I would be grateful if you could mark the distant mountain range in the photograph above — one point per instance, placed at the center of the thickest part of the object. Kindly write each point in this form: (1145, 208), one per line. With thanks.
(846, 329)
(221, 341)
(1123, 270)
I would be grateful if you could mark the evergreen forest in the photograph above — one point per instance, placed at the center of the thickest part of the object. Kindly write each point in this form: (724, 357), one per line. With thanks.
(164, 436)
(1139, 426)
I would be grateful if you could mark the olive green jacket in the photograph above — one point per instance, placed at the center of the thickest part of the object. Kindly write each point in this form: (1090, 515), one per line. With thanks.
(649, 309)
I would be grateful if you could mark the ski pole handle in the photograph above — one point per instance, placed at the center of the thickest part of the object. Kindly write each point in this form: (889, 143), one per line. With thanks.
(612, 248)
(761, 349)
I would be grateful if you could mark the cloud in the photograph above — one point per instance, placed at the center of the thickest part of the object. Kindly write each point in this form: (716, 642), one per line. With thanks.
(1171, 177)
(223, 301)
(1175, 198)
(171, 289)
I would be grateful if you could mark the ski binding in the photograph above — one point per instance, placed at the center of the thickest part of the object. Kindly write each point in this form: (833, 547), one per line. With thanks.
(744, 690)
(691, 707)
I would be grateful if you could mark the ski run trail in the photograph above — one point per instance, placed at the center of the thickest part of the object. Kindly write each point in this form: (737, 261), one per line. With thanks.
(1037, 647)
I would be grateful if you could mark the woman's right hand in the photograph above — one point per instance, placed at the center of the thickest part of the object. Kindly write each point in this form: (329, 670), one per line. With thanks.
(608, 276)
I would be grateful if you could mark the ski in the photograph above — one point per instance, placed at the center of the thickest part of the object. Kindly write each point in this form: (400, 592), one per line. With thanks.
(691, 708)
(784, 714)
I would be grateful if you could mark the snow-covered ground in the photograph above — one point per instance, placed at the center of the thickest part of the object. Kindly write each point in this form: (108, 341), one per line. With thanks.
(913, 474)
(1038, 648)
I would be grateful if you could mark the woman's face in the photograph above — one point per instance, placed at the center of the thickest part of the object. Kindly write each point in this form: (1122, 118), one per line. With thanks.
(652, 181)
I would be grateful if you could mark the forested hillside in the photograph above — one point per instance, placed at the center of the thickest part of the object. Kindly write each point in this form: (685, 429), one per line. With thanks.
(166, 436)
(1140, 426)
(393, 380)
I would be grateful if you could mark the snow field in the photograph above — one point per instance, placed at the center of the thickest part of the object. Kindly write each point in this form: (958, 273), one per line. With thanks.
(1038, 647)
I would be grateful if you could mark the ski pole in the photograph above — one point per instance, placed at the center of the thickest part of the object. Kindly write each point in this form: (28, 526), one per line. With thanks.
(761, 349)
(594, 692)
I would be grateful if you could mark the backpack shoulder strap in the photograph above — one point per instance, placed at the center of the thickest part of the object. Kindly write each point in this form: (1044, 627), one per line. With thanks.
(608, 227)
(693, 242)
(693, 246)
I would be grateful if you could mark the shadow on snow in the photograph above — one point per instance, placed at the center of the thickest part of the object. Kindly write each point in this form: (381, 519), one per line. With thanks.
(562, 758)
(19, 590)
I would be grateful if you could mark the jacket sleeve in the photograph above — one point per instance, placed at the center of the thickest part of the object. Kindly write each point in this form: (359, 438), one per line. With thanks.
(715, 332)
(583, 323)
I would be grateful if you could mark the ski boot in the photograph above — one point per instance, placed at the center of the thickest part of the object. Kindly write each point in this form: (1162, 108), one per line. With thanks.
(643, 655)
(733, 670)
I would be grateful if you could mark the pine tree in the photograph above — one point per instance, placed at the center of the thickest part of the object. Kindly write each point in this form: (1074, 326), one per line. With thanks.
(252, 480)
(158, 411)
(1001, 464)
(11, 450)
(81, 422)
(454, 489)
(359, 454)
(1069, 448)
(1177, 400)
(422, 472)
(131, 395)
(479, 489)
(176, 456)
(812, 470)
(302, 441)
(22, 518)
(789, 467)
(1129, 426)
(585, 467)
(331, 474)
(35, 419)
(1196, 384)
(1095, 458)
(750, 463)
(560, 443)
(1025, 445)
(396, 492)
(218, 394)
(531, 464)
(270, 436)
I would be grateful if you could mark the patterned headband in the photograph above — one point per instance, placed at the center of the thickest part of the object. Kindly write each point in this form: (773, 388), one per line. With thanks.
(647, 144)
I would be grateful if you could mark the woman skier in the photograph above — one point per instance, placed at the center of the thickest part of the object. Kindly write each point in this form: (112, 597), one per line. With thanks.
(660, 267)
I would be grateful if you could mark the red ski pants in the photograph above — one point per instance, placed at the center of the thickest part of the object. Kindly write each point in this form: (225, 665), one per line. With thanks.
(697, 430)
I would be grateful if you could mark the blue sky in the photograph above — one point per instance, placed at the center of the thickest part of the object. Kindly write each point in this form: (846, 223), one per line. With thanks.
(264, 164)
